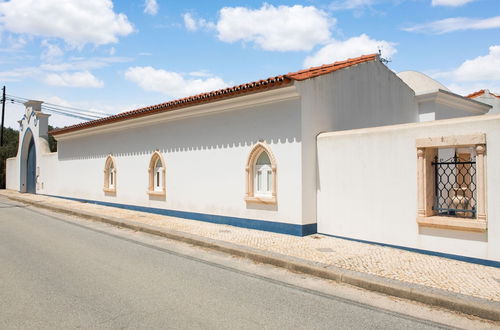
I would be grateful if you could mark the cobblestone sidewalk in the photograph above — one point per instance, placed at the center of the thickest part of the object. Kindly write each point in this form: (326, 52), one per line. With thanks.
(436, 272)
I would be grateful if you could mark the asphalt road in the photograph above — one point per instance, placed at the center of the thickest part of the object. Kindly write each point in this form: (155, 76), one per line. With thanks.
(59, 274)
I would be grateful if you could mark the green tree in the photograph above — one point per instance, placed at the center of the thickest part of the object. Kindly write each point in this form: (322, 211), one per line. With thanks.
(9, 149)
(52, 141)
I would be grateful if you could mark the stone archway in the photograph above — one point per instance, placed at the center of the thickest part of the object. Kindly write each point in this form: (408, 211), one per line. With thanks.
(31, 168)
(28, 164)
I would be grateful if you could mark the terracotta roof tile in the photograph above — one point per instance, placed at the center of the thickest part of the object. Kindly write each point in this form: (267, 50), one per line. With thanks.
(475, 94)
(251, 87)
(327, 68)
(479, 93)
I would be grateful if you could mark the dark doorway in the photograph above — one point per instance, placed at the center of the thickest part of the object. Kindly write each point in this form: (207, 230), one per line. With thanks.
(31, 169)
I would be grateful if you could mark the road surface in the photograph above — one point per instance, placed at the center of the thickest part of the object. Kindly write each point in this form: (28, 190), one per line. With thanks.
(60, 272)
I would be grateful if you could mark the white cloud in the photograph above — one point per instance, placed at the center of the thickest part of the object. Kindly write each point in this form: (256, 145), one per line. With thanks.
(74, 64)
(55, 120)
(151, 7)
(468, 88)
(190, 22)
(16, 43)
(482, 72)
(353, 47)
(84, 64)
(481, 68)
(18, 74)
(75, 21)
(75, 79)
(350, 4)
(194, 24)
(450, 3)
(456, 24)
(172, 84)
(200, 73)
(58, 120)
(281, 28)
(51, 51)
(85, 108)
(58, 101)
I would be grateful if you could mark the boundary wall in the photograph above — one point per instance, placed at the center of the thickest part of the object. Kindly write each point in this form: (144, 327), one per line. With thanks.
(367, 187)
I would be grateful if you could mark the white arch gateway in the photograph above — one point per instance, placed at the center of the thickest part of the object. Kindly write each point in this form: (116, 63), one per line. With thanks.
(33, 143)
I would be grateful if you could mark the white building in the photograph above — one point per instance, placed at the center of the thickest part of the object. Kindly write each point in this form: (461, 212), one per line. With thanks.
(249, 155)
(485, 96)
(436, 101)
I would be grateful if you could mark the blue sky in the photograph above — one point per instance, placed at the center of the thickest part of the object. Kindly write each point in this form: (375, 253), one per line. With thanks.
(118, 55)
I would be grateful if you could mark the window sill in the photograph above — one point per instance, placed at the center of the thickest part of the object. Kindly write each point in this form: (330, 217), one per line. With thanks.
(453, 223)
(261, 200)
(109, 190)
(156, 193)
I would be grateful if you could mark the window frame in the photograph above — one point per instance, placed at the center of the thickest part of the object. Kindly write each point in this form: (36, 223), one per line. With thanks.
(265, 171)
(153, 190)
(251, 195)
(427, 149)
(108, 187)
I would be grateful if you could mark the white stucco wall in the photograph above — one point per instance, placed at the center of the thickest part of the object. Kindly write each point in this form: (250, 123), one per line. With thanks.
(211, 150)
(443, 111)
(365, 95)
(12, 175)
(205, 162)
(368, 186)
(491, 100)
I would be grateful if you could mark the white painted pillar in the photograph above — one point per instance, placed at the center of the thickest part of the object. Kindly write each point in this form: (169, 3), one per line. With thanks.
(420, 179)
(481, 181)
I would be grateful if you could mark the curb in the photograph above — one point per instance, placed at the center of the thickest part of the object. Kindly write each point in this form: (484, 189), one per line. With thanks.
(436, 297)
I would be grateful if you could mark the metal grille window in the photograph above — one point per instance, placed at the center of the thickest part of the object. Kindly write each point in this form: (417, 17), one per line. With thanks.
(451, 182)
(455, 187)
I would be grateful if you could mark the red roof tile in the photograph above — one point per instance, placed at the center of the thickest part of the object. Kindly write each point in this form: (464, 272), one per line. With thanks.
(327, 68)
(475, 94)
(479, 93)
(252, 87)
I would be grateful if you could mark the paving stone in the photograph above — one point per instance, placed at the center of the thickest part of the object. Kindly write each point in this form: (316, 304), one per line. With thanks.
(432, 271)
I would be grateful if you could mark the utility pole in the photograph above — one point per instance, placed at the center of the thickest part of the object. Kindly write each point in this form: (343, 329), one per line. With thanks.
(3, 116)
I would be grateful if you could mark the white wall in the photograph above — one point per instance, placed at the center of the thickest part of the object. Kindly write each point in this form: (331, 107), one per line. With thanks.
(205, 163)
(12, 175)
(365, 95)
(491, 100)
(442, 111)
(368, 186)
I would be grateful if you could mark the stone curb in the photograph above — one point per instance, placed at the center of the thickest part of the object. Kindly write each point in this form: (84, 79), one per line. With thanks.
(453, 301)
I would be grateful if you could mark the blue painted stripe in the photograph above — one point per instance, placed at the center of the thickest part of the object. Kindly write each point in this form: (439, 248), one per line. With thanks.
(484, 262)
(275, 227)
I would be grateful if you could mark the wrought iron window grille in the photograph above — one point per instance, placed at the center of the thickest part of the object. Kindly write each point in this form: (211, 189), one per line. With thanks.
(455, 187)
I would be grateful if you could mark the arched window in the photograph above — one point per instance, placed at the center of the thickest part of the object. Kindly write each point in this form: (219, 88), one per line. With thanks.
(110, 175)
(157, 175)
(261, 175)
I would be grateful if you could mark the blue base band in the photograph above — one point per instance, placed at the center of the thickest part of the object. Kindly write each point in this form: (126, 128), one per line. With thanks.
(484, 262)
(275, 227)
